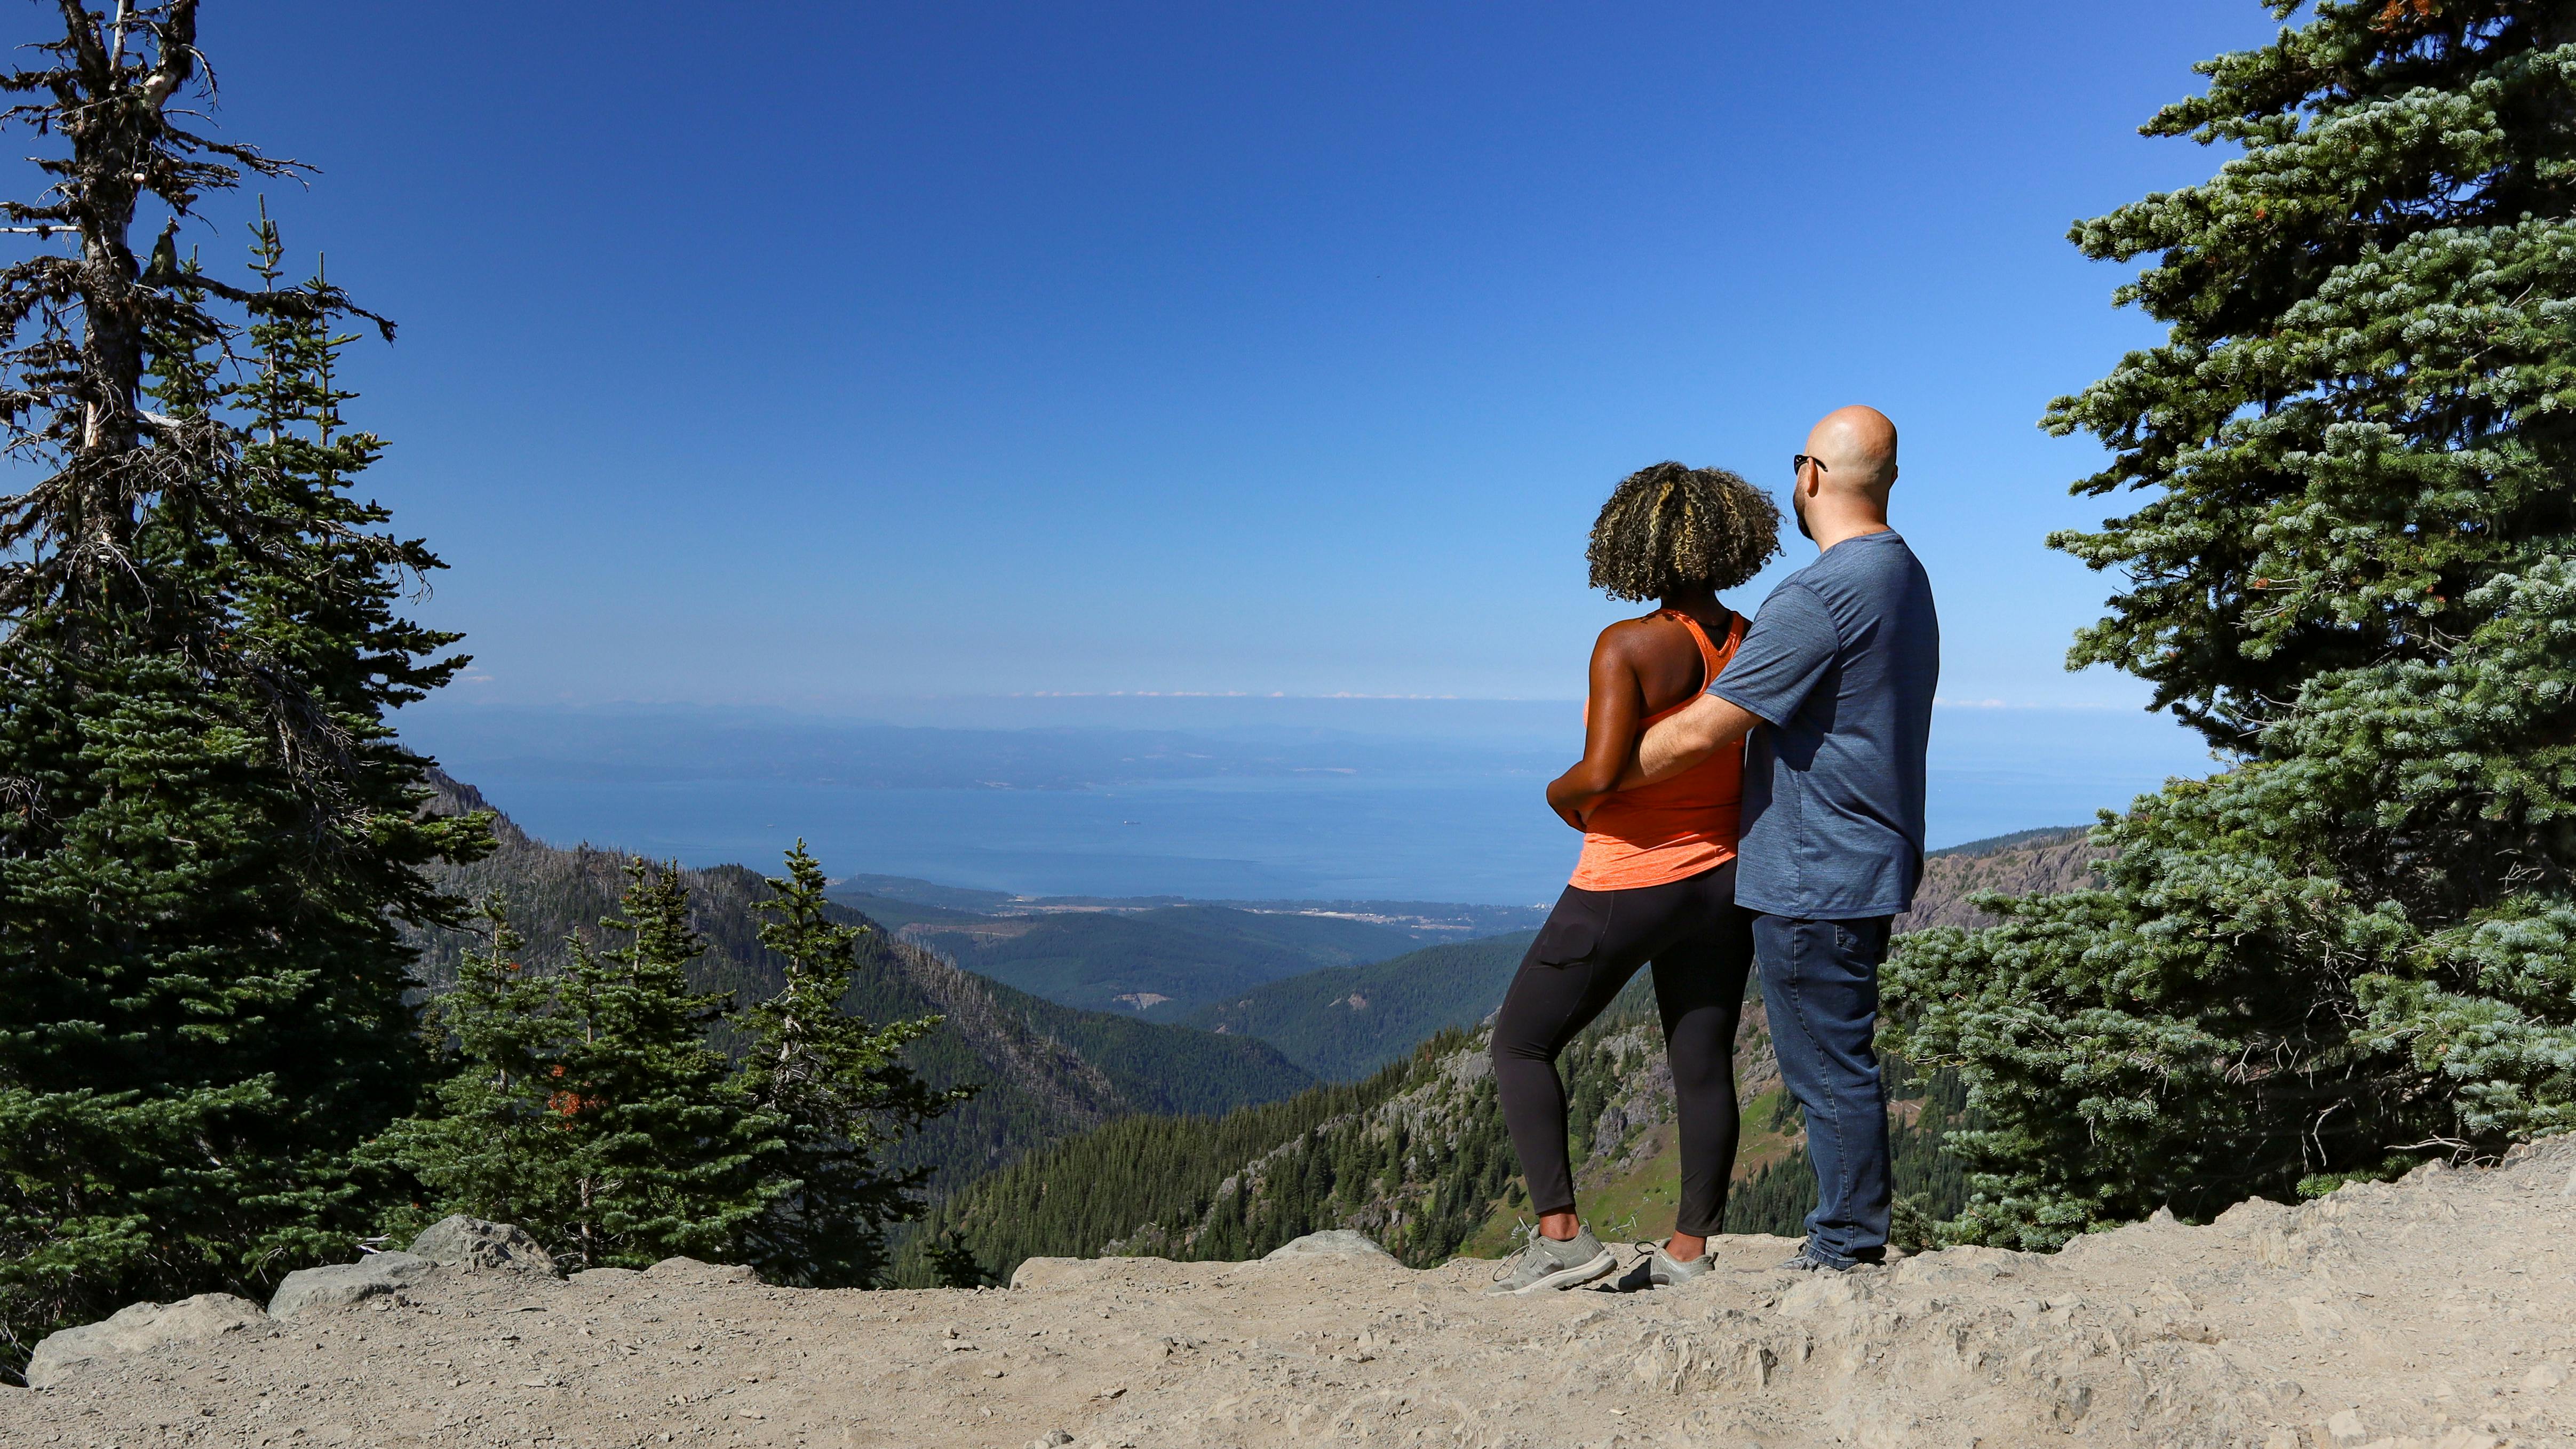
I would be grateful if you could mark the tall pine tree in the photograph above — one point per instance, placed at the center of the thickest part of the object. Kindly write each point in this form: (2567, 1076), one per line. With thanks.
(842, 1095)
(207, 830)
(492, 1142)
(661, 1154)
(2355, 571)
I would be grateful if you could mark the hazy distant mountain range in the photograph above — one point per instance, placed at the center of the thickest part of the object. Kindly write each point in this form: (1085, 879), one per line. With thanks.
(1159, 957)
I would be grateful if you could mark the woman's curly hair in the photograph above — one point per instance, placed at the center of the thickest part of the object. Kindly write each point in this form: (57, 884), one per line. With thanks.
(1668, 528)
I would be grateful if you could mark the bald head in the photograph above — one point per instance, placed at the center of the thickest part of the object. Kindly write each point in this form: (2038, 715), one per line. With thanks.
(1858, 446)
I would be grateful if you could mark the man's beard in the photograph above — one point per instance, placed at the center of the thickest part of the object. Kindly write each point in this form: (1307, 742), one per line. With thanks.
(1798, 506)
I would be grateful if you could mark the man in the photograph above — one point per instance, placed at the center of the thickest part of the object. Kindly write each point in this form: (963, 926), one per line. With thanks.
(1834, 684)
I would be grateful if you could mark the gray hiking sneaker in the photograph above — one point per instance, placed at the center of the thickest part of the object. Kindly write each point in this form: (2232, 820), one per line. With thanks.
(1807, 1262)
(1659, 1269)
(1547, 1263)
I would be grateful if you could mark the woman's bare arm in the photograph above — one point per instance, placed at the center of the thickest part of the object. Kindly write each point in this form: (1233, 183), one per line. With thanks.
(1610, 736)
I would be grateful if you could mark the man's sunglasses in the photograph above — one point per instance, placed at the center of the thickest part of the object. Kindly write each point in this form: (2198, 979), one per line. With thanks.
(1799, 463)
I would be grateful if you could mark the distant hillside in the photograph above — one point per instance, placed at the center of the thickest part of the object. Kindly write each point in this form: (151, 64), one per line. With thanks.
(1046, 1071)
(926, 893)
(1163, 962)
(2016, 840)
(1424, 920)
(2030, 863)
(895, 915)
(1415, 1155)
(1346, 1022)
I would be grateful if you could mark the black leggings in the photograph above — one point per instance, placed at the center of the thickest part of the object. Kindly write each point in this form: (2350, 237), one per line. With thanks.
(1702, 945)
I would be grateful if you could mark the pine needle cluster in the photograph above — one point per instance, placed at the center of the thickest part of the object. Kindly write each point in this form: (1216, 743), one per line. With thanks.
(1670, 530)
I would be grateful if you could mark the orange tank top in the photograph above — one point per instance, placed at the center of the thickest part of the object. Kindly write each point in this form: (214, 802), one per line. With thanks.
(1672, 829)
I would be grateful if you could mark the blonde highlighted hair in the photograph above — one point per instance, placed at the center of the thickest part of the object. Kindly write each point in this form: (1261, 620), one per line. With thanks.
(1668, 529)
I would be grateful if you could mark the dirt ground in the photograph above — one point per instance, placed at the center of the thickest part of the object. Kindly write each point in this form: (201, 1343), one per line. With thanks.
(2437, 1312)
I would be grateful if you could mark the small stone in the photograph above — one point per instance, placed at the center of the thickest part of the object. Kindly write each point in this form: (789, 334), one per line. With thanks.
(2345, 1427)
(478, 1246)
(992, 1373)
(343, 1284)
(2547, 1376)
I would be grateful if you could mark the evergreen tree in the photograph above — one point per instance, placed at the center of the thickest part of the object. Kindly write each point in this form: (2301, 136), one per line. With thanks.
(952, 1264)
(593, 1108)
(2355, 573)
(662, 1154)
(492, 1146)
(207, 831)
(842, 1094)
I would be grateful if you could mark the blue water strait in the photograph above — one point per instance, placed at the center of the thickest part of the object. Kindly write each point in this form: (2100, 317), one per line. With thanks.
(1241, 803)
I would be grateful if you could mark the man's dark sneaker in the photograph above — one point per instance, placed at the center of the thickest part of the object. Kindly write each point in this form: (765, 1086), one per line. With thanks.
(1547, 1263)
(1803, 1263)
(1659, 1269)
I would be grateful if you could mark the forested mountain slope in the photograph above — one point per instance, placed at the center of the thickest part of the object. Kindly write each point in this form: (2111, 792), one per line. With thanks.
(1346, 1022)
(1343, 1023)
(1161, 961)
(1415, 1155)
(1044, 1071)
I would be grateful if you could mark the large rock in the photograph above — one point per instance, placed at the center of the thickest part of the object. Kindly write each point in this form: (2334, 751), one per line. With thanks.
(1331, 1243)
(342, 1284)
(137, 1328)
(477, 1246)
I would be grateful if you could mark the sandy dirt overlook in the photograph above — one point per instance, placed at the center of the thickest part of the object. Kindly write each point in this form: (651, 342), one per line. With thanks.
(2440, 1311)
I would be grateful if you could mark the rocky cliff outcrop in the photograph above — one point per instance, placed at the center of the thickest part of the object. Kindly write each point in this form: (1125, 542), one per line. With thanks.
(2438, 1313)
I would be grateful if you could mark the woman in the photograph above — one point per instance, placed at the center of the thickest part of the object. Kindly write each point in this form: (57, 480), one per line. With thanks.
(1657, 877)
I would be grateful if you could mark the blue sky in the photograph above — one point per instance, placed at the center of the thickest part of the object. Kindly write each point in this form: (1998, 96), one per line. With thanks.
(807, 354)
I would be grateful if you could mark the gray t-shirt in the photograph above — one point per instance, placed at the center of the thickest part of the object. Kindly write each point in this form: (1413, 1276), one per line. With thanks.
(1840, 664)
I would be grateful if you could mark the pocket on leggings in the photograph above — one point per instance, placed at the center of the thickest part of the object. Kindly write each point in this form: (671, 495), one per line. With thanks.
(1574, 929)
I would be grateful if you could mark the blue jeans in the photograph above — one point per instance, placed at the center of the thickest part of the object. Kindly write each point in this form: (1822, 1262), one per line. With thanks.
(1820, 981)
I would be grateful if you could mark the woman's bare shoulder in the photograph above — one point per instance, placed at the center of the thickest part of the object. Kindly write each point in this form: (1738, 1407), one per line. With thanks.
(1640, 638)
